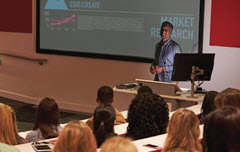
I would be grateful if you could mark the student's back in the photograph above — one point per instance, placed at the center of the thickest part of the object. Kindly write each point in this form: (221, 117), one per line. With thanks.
(105, 95)
(104, 117)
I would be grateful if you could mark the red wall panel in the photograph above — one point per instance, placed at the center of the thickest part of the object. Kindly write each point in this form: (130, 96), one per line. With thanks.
(225, 23)
(16, 16)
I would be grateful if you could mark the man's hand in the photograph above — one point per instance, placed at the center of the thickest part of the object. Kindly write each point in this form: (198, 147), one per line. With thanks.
(158, 69)
(152, 70)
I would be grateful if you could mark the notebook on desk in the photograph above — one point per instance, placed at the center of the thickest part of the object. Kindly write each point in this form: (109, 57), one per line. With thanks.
(163, 88)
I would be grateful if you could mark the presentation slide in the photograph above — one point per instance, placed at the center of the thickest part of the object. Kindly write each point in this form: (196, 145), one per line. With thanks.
(116, 27)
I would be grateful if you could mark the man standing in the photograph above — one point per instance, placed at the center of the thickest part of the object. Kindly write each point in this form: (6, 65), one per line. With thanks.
(165, 51)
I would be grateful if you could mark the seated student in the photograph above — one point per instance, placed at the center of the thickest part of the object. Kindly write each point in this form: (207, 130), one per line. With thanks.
(183, 132)
(8, 127)
(144, 89)
(228, 97)
(104, 117)
(207, 105)
(75, 137)
(105, 95)
(46, 124)
(8, 148)
(222, 130)
(147, 116)
(118, 144)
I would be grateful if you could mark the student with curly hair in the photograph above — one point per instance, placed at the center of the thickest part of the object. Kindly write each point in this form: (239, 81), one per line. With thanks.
(207, 105)
(118, 144)
(75, 137)
(147, 116)
(8, 127)
(47, 124)
(104, 117)
(183, 132)
(228, 97)
(222, 130)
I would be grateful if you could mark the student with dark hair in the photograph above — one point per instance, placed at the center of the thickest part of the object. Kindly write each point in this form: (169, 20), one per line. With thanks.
(222, 130)
(207, 105)
(147, 116)
(228, 97)
(46, 124)
(105, 95)
(104, 117)
(144, 89)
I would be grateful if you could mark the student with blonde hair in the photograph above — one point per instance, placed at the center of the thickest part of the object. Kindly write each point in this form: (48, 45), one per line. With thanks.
(183, 132)
(76, 136)
(8, 127)
(118, 144)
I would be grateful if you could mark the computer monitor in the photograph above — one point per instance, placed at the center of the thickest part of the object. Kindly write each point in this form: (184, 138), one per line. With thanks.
(183, 64)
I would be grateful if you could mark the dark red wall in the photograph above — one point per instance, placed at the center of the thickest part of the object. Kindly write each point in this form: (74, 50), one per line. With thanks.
(16, 16)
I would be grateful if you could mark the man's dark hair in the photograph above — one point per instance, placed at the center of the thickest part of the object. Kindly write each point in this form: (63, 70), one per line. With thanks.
(105, 94)
(166, 23)
(144, 89)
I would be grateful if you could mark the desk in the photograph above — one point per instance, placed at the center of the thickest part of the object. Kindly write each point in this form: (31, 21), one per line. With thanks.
(179, 101)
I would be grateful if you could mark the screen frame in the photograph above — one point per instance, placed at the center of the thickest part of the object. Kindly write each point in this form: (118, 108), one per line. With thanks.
(108, 56)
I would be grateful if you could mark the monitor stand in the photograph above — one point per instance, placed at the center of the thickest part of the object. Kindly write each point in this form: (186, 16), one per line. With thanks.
(193, 77)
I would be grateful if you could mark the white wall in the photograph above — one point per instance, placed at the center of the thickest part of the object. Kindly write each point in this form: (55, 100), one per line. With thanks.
(226, 70)
(73, 81)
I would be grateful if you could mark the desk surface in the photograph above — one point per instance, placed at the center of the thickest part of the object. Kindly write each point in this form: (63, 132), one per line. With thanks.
(184, 97)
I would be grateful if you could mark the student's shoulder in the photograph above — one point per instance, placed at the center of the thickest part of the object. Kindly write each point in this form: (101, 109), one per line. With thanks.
(8, 148)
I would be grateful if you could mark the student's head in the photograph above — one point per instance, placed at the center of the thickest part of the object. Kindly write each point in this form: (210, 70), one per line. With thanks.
(105, 95)
(183, 131)
(8, 126)
(103, 120)
(147, 116)
(228, 97)
(118, 144)
(222, 130)
(144, 89)
(75, 137)
(208, 104)
(166, 30)
(47, 117)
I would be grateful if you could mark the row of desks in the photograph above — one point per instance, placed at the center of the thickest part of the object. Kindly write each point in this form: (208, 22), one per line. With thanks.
(121, 130)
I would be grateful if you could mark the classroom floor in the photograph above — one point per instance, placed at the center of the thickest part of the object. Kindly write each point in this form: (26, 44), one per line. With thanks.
(25, 114)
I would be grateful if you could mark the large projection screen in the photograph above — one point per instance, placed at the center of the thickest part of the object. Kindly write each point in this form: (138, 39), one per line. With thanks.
(116, 29)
